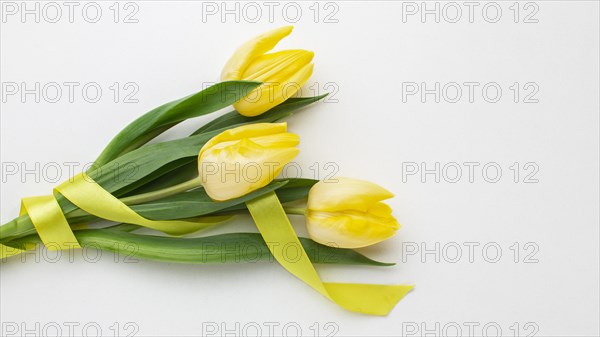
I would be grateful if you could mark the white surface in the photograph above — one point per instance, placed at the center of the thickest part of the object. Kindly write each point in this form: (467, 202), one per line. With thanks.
(368, 133)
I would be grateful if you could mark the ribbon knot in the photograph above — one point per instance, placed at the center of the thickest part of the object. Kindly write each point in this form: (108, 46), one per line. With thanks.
(81, 190)
(50, 222)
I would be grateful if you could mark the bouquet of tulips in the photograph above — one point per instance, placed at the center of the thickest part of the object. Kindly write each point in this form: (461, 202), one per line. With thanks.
(229, 166)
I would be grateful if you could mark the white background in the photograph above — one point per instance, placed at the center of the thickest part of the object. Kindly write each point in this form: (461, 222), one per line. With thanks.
(369, 55)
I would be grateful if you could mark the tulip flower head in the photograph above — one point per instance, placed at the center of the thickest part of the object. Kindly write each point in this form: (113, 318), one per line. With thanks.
(243, 159)
(283, 73)
(349, 213)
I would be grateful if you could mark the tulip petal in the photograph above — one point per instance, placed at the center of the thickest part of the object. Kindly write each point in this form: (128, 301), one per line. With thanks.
(349, 229)
(267, 60)
(278, 69)
(285, 139)
(243, 168)
(272, 94)
(346, 194)
(246, 131)
(380, 209)
(243, 159)
(244, 55)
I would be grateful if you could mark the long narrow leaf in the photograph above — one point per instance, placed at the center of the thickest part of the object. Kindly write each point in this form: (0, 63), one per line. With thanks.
(168, 115)
(281, 111)
(223, 248)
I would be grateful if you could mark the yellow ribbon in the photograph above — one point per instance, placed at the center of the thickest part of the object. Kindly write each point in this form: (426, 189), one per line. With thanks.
(6, 251)
(278, 233)
(50, 222)
(86, 194)
(55, 232)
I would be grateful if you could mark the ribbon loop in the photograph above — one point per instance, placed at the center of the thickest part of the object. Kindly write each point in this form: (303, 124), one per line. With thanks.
(50, 222)
(86, 194)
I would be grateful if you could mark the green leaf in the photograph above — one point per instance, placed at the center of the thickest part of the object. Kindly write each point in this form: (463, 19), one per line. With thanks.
(281, 111)
(223, 248)
(135, 165)
(168, 175)
(157, 121)
(296, 189)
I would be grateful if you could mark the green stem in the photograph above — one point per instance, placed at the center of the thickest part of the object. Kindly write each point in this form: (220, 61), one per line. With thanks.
(296, 211)
(165, 192)
(150, 196)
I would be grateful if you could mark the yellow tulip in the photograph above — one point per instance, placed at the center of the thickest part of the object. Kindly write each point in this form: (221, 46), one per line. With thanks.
(282, 73)
(243, 159)
(349, 213)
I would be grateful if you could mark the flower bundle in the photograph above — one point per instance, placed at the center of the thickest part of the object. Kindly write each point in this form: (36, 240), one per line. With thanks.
(179, 187)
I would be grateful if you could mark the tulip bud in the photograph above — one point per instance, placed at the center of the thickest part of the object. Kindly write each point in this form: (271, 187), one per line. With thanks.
(243, 159)
(282, 73)
(349, 213)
